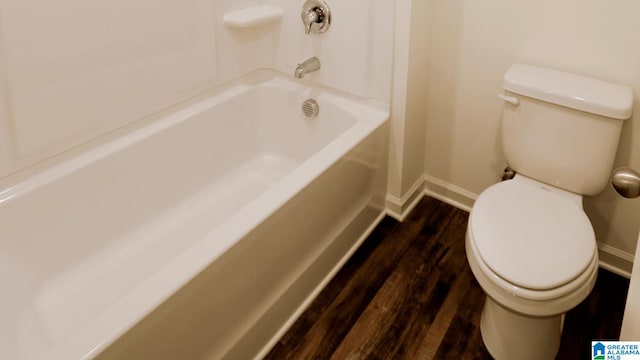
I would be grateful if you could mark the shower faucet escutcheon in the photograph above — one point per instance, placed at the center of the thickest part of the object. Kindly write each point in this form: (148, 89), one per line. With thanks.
(311, 65)
(316, 16)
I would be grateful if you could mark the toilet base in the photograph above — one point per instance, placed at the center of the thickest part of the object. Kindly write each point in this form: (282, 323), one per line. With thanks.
(509, 335)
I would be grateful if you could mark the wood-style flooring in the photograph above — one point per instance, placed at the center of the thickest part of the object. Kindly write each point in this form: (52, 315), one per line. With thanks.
(408, 293)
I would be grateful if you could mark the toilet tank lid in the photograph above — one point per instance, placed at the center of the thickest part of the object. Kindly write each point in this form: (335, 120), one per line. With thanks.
(570, 90)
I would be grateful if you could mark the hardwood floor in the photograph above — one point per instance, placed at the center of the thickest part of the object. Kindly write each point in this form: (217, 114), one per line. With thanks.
(408, 293)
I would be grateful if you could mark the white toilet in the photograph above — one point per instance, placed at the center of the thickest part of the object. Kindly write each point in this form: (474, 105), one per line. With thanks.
(529, 243)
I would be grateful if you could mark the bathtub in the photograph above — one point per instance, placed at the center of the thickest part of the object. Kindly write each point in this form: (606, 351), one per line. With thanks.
(199, 233)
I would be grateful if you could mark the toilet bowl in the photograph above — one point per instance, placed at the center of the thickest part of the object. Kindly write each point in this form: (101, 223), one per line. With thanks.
(533, 251)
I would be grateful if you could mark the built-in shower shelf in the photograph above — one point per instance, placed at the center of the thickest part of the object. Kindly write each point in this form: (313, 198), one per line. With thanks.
(253, 17)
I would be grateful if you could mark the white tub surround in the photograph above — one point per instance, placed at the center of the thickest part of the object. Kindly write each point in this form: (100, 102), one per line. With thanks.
(214, 222)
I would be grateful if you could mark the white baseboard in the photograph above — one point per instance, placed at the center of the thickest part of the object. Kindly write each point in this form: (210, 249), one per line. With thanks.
(399, 208)
(615, 260)
(449, 193)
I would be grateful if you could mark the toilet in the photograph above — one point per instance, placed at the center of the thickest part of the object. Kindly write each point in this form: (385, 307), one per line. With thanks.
(529, 243)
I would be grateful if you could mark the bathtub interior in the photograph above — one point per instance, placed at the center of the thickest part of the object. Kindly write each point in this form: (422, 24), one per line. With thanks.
(72, 252)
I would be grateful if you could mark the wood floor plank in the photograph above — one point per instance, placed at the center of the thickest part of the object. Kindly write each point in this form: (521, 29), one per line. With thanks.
(598, 317)
(447, 312)
(408, 293)
(456, 342)
(388, 316)
(343, 300)
(451, 282)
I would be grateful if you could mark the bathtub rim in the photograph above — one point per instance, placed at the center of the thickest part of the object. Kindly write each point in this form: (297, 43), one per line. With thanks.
(64, 162)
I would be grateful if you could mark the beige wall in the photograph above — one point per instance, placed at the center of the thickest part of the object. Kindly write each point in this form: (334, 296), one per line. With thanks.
(409, 104)
(472, 45)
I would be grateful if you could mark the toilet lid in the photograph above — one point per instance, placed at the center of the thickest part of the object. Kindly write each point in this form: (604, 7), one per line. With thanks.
(531, 236)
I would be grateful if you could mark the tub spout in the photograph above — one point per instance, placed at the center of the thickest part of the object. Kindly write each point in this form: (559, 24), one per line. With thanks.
(311, 65)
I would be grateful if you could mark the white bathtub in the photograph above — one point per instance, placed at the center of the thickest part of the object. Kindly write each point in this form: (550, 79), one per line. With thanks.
(201, 234)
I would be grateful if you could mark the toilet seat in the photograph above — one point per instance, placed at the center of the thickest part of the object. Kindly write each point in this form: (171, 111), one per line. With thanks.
(532, 236)
(523, 299)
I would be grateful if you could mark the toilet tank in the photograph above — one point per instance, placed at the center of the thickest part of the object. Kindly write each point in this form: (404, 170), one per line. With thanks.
(562, 129)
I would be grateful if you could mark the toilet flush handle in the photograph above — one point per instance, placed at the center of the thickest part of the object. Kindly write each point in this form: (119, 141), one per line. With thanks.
(510, 99)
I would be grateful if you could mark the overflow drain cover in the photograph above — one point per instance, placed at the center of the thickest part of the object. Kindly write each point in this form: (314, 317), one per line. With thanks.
(310, 108)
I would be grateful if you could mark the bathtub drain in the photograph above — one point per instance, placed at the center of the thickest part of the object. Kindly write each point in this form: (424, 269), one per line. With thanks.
(310, 108)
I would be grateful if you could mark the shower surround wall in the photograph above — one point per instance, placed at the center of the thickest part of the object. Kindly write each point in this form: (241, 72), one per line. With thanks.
(72, 72)
(76, 78)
